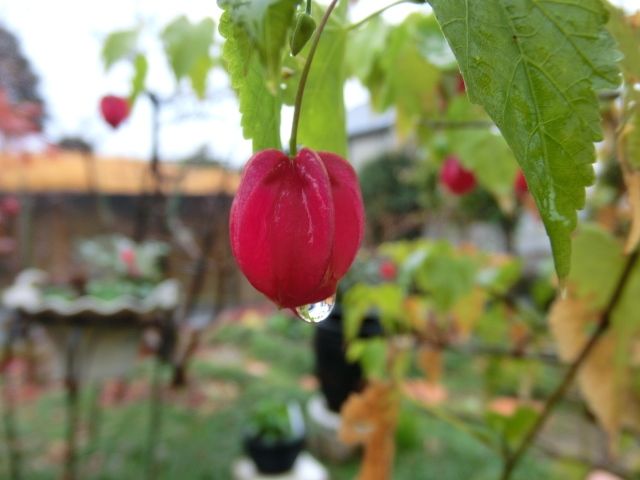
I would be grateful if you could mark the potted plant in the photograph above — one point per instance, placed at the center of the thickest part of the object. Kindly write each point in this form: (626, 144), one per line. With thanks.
(275, 436)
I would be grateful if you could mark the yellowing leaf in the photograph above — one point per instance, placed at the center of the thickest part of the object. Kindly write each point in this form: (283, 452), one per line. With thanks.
(569, 319)
(468, 310)
(632, 180)
(604, 387)
(606, 390)
(370, 418)
(430, 361)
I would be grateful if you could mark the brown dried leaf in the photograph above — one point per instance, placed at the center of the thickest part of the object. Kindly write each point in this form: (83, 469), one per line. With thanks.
(370, 418)
(430, 361)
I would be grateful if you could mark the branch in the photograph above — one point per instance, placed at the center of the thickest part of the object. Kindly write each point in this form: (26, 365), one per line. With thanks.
(605, 321)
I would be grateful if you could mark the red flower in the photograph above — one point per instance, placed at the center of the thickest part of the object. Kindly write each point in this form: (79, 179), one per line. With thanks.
(520, 184)
(10, 206)
(128, 257)
(114, 109)
(455, 177)
(296, 224)
(388, 270)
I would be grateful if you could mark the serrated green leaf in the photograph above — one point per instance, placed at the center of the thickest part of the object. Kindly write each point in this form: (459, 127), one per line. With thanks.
(535, 65)
(138, 82)
(187, 46)
(267, 24)
(119, 45)
(259, 108)
(323, 117)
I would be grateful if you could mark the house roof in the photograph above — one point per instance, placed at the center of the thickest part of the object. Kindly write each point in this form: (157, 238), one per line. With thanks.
(73, 172)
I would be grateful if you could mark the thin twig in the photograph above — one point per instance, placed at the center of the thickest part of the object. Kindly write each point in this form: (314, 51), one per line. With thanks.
(605, 321)
(358, 24)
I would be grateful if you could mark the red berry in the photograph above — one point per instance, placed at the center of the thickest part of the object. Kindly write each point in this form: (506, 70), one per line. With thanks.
(455, 177)
(520, 184)
(114, 109)
(388, 270)
(296, 224)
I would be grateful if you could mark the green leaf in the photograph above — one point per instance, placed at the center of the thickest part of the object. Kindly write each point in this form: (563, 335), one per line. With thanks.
(535, 66)
(445, 275)
(628, 39)
(187, 46)
(433, 45)
(138, 82)
(259, 108)
(365, 46)
(597, 261)
(119, 45)
(410, 79)
(372, 355)
(323, 117)
(482, 151)
(267, 24)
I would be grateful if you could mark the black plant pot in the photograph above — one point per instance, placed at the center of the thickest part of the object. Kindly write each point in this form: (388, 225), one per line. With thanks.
(337, 376)
(273, 458)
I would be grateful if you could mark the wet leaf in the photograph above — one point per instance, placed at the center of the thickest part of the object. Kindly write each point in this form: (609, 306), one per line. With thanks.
(548, 113)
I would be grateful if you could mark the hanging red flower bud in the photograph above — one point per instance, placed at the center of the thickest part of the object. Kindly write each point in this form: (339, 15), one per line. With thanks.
(520, 184)
(388, 270)
(114, 109)
(296, 224)
(455, 177)
(10, 206)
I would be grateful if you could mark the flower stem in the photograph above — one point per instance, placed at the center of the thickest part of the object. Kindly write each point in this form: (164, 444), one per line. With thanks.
(293, 142)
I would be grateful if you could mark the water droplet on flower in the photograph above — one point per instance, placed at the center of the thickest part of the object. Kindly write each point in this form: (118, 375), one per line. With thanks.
(317, 312)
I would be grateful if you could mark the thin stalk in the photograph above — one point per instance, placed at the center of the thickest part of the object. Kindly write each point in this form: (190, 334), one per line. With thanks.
(358, 24)
(605, 322)
(293, 142)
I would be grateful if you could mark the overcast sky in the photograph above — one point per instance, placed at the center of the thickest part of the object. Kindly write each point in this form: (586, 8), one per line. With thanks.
(62, 40)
